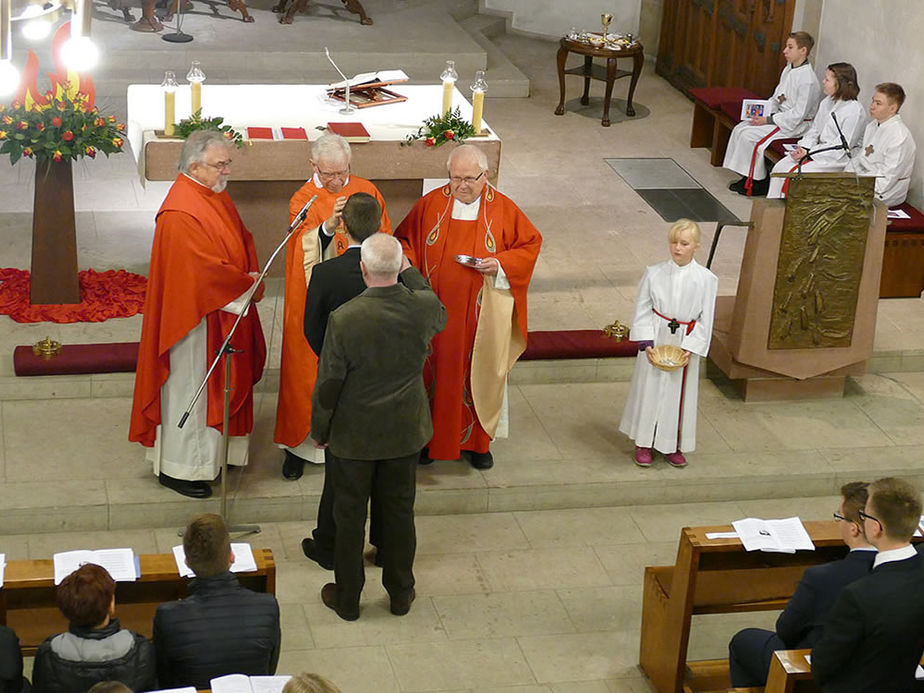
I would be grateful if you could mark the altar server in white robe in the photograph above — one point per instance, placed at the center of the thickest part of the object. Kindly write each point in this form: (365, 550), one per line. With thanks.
(675, 305)
(888, 147)
(839, 109)
(792, 108)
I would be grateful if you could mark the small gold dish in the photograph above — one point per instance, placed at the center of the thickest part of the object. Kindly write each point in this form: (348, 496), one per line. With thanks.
(47, 348)
(617, 331)
(667, 357)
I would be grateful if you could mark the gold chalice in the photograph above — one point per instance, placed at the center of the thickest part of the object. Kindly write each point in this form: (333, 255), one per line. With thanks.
(606, 18)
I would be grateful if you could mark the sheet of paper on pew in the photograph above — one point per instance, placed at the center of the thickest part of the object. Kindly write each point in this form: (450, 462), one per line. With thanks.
(185, 689)
(244, 562)
(898, 214)
(789, 147)
(778, 536)
(121, 564)
(241, 683)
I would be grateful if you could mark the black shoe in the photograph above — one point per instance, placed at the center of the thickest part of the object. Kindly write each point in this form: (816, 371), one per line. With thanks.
(425, 457)
(481, 460)
(193, 489)
(311, 549)
(329, 597)
(401, 604)
(293, 467)
(759, 188)
(738, 186)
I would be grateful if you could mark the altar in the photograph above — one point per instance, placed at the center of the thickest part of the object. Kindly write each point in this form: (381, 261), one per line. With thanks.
(266, 173)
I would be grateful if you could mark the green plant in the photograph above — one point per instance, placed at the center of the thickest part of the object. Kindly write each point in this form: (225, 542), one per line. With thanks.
(439, 129)
(195, 122)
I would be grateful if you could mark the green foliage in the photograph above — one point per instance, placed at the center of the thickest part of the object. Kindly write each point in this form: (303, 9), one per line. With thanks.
(187, 126)
(439, 129)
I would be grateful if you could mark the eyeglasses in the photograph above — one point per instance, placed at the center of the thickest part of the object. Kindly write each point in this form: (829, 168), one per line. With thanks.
(466, 179)
(218, 165)
(839, 518)
(865, 516)
(328, 175)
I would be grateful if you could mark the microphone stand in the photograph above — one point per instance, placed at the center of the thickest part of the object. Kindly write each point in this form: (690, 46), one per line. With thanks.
(224, 352)
(347, 108)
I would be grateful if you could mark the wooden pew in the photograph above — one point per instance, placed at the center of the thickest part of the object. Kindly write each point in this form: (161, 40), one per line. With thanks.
(710, 577)
(790, 673)
(27, 599)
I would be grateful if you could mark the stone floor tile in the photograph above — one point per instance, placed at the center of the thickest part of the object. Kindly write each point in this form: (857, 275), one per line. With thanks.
(46, 545)
(586, 527)
(449, 574)
(533, 569)
(625, 565)
(581, 656)
(461, 533)
(664, 522)
(469, 616)
(595, 609)
(351, 669)
(15, 546)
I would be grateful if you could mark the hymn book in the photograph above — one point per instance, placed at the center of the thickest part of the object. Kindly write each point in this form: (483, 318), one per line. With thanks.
(778, 536)
(351, 132)
(241, 683)
(121, 564)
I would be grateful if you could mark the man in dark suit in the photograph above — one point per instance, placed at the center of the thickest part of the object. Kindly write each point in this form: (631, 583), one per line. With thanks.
(801, 623)
(333, 283)
(370, 408)
(221, 627)
(875, 635)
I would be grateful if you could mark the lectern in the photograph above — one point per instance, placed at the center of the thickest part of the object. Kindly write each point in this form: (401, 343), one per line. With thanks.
(804, 316)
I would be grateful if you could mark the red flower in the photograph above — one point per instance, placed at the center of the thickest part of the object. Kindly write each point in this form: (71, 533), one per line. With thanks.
(49, 94)
(27, 151)
(117, 141)
(449, 134)
(430, 141)
(57, 122)
(57, 156)
(111, 118)
(60, 105)
(22, 125)
(99, 122)
(227, 133)
(7, 120)
(67, 136)
(40, 126)
(90, 152)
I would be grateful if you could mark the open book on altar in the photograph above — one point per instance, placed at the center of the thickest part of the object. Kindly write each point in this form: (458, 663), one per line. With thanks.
(369, 88)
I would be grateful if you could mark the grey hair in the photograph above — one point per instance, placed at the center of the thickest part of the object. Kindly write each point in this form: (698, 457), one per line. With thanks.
(469, 150)
(381, 254)
(330, 146)
(309, 683)
(196, 145)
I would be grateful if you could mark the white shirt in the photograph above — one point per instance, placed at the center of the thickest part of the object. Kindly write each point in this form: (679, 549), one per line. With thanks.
(901, 554)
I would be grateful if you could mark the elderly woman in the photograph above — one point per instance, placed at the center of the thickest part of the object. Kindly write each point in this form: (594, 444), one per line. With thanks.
(95, 648)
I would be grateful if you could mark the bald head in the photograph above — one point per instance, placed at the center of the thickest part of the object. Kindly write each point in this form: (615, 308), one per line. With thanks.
(468, 167)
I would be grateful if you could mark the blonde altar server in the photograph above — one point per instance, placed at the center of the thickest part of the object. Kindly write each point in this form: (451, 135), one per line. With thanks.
(675, 305)
(839, 108)
(792, 108)
(888, 147)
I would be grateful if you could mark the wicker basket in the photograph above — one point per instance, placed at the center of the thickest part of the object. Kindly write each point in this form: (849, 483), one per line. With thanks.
(667, 357)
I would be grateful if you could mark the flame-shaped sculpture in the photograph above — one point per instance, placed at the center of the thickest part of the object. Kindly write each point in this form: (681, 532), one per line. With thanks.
(65, 84)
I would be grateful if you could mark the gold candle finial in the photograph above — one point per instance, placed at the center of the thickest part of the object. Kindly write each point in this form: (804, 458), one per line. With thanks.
(46, 348)
(617, 331)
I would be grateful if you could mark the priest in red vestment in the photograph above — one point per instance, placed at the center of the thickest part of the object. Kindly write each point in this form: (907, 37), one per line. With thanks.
(485, 297)
(319, 237)
(202, 273)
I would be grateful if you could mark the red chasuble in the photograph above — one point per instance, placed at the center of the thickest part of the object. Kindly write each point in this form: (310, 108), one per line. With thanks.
(432, 240)
(299, 365)
(200, 262)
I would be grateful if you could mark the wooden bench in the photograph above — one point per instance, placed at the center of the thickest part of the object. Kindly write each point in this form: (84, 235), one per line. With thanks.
(716, 110)
(27, 599)
(903, 260)
(711, 577)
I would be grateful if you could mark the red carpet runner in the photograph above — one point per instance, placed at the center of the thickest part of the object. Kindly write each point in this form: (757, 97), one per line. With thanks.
(106, 295)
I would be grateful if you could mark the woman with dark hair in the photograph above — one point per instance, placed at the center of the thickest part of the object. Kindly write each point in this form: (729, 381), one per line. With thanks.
(838, 113)
(95, 648)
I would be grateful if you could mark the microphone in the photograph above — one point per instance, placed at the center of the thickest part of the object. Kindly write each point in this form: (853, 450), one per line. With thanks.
(841, 133)
(300, 217)
(347, 109)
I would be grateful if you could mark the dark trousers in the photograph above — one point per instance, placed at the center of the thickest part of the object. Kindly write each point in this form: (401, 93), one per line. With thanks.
(394, 482)
(325, 531)
(749, 655)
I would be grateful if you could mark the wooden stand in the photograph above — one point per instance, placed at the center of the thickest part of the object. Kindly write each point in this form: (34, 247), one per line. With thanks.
(54, 235)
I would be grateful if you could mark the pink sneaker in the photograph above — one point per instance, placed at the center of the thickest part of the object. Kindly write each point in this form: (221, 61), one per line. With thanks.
(642, 456)
(677, 459)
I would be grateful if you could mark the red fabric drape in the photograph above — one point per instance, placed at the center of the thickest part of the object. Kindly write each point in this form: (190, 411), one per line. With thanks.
(105, 295)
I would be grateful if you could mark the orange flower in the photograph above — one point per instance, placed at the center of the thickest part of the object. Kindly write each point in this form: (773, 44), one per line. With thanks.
(99, 122)
(27, 151)
(111, 118)
(117, 141)
(2, 134)
(6, 120)
(90, 152)
(57, 156)
(40, 126)
(22, 125)
(120, 127)
(67, 136)
(449, 134)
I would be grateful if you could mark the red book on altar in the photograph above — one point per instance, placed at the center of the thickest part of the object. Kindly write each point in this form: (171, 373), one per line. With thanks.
(294, 134)
(351, 132)
(255, 133)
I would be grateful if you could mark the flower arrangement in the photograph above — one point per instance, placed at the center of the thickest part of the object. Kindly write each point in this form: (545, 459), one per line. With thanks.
(187, 126)
(63, 126)
(439, 129)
